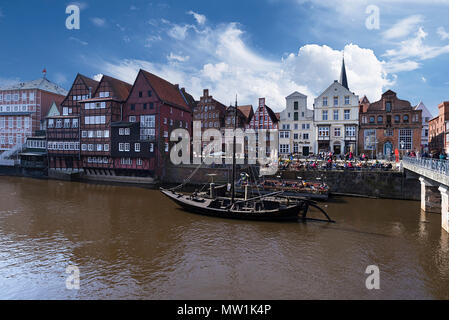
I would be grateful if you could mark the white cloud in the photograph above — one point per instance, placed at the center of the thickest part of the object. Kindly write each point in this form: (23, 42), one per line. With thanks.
(97, 77)
(150, 39)
(84, 43)
(178, 32)
(99, 22)
(132, 8)
(179, 58)
(200, 19)
(415, 48)
(423, 79)
(394, 66)
(442, 33)
(219, 59)
(403, 28)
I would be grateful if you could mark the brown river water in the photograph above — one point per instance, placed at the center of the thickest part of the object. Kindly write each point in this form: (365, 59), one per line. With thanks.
(132, 243)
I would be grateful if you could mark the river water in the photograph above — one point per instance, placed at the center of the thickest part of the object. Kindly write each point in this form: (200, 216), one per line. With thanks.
(132, 243)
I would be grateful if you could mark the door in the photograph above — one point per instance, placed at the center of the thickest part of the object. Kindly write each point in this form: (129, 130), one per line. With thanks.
(388, 148)
(337, 149)
(305, 151)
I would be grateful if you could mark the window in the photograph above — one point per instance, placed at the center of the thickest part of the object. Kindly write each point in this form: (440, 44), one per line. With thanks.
(106, 147)
(337, 132)
(106, 133)
(335, 101)
(151, 147)
(406, 118)
(149, 93)
(140, 94)
(127, 146)
(66, 123)
(132, 119)
(75, 123)
(100, 134)
(133, 107)
(397, 119)
(350, 132)
(90, 147)
(335, 114)
(127, 132)
(347, 114)
(324, 115)
(305, 136)
(84, 134)
(284, 148)
(325, 102)
(295, 105)
(323, 131)
(296, 116)
(389, 132)
(284, 135)
(380, 119)
(370, 139)
(372, 119)
(296, 136)
(405, 139)
(388, 106)
(121, 147)
(137, 147)
(166, 147)
(346, 100)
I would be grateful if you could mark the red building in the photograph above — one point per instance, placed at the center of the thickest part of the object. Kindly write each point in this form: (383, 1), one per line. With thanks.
(439, 130)
(159, 107)
(210, 112)
(389, 124)
(23, 108)
(97, 114)
(264, 119)
(63, 130)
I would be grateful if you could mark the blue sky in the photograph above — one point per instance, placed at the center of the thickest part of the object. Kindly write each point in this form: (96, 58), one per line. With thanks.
(265, 48)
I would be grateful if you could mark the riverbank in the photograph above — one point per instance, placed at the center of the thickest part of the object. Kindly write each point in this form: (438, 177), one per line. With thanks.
(370, 184)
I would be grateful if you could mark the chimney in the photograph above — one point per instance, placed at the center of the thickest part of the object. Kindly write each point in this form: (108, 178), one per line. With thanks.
(261, 102)
(177, 86)
(206, 93)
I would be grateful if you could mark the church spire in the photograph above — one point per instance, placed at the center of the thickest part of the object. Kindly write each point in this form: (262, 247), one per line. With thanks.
(343, 77)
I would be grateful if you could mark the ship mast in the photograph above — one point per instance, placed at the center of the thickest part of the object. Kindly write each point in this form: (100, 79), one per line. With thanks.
(234, 150)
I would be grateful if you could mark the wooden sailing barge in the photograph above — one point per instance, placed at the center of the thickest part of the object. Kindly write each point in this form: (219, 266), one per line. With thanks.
(268, 207)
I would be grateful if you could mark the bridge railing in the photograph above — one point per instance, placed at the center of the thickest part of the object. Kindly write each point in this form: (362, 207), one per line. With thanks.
(436, 165)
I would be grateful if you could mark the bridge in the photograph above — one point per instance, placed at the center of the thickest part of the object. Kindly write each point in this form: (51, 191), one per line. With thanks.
(434, 178)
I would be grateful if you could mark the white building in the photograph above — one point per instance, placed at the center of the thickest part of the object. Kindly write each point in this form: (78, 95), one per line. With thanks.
(336, 115)
(426, 116)
(296, 130)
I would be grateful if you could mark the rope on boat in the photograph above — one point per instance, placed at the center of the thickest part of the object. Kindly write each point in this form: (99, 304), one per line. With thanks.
(187, 179)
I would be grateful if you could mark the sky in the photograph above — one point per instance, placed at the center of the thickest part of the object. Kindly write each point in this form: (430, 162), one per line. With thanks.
(252, 48)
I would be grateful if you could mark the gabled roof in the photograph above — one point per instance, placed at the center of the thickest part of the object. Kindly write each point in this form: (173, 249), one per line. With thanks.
(54, 111)
(296, 94)
(39, 84)
(364, 100)
(272, 115)
(166, 91)
(121, 89)
(90, 83)
(246, 110)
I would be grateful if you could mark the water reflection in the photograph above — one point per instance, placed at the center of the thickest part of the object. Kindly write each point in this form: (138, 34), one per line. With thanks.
(133, 243)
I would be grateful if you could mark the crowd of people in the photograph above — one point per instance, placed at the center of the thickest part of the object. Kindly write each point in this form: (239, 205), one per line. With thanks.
(330, 161)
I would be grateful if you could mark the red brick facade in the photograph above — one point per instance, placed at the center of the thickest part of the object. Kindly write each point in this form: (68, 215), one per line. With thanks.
(386, 123)
(438, 141)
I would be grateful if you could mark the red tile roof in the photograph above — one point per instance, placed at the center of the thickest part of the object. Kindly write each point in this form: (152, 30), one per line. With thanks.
(166, 91)
(246, 110)
(121, 88)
